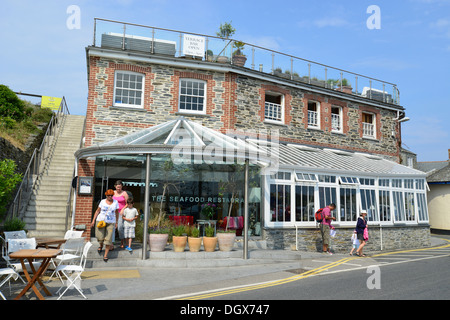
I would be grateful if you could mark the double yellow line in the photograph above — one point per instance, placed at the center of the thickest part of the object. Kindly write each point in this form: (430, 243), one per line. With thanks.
(270, 283)
(303, 275)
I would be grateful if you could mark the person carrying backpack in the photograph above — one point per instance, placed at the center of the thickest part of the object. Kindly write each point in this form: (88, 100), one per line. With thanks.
(323, 216)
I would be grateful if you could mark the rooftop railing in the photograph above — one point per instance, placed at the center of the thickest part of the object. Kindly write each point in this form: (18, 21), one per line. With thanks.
(153, 40)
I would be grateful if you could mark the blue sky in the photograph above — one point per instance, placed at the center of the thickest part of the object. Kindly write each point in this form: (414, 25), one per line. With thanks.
(40, 54)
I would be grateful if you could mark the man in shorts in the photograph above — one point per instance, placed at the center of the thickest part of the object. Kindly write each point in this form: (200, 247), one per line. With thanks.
(325, 226)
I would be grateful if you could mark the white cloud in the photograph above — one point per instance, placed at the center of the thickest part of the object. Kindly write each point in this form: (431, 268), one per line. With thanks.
(331, 22)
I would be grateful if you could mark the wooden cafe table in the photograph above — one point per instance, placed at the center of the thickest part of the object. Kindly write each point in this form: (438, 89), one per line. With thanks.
(30, 254)
(50, 243)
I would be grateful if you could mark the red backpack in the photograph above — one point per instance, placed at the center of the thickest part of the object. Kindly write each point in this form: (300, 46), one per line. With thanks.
(319, 215)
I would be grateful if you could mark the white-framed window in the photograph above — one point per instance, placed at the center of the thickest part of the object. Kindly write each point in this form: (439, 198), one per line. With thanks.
(313, 114)
(192, 97)
(293, 197)
(348, 180)
(304, 203)
(274, 107)
(336, 119)
(368, 122)
(128, 89)
(306, 177)
(422, 207)
(280, 203)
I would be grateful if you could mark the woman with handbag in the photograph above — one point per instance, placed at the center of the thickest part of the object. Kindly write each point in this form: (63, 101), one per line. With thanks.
(105, 222)
(361, 229)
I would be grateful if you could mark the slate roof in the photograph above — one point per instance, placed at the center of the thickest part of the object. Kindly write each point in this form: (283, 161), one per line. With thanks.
(437, 171)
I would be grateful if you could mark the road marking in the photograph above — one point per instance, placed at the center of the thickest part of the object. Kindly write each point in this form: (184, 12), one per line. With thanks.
(309, 273)
(261, 285)
(112, 274)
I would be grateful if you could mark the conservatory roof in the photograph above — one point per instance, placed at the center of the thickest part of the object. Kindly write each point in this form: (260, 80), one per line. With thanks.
(177, 136)
(301, 157)
(183, 135)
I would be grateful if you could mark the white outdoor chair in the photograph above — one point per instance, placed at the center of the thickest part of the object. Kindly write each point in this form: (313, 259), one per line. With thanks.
(73, 234)
(15, 235)
(73, 273)
(14, 245)
(72, 251)
(8, 273)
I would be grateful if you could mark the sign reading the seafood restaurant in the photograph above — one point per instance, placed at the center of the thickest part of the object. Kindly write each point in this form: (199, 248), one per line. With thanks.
(196, 199)
(193, 45)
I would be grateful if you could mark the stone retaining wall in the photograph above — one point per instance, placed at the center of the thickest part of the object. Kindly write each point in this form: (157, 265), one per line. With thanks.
(385, 238)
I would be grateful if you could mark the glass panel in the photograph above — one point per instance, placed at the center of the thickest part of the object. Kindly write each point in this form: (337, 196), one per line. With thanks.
(409, 206)
(280, 202)
(369, 204)
(348, 204)
(422, 207)
(304, 203)
(385, 205)
(399, 208)
(327, 195)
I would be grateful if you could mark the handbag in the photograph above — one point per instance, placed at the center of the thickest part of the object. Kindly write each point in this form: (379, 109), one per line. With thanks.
(332, 233)
(101, 224)
(366, 234)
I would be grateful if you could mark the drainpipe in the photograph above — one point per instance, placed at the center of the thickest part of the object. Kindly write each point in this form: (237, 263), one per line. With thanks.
(74, 190)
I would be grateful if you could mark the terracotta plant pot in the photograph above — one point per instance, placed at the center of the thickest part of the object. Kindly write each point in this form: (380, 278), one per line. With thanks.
(158, 241)
(179, 243)
(209, 243)
(226, 240)
(194, 244)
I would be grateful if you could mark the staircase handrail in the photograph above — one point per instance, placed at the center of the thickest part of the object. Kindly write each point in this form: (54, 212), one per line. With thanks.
(35, 167)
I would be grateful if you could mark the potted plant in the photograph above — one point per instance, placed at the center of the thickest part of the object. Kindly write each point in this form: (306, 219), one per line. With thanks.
(208, 210)
(239, 57)
(194, 239)
(158, 229)
(179, 238)
(226, 239)
(209, 55)
(226, 30)
(159, 225)
(209, 240)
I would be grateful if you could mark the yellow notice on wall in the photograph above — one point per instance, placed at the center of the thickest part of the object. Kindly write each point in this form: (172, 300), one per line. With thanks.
(50, 102)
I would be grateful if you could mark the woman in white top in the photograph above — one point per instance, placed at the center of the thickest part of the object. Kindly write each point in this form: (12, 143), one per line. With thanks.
(107, 211)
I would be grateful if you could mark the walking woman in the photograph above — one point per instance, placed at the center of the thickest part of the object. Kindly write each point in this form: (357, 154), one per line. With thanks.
(122, 197)
(108, 212)
(360, 227)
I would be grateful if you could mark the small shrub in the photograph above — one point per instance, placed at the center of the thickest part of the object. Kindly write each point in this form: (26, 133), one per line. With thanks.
(14, 224)
(8, 181)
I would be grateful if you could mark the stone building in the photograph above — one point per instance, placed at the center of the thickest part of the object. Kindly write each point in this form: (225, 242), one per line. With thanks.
(333, 139)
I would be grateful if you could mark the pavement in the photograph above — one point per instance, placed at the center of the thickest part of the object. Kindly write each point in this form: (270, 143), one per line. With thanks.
(172, 275)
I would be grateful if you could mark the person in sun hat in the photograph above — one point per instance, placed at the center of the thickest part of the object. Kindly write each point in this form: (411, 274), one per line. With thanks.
(361, 225)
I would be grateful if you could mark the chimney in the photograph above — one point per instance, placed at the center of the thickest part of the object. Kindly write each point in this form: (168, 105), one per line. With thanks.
(448, 154)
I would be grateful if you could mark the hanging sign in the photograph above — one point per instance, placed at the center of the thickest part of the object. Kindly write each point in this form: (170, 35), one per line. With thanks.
(193, 45)
(50, 102)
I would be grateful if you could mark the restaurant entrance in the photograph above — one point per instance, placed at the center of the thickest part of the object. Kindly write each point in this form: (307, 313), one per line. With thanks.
(184, 191)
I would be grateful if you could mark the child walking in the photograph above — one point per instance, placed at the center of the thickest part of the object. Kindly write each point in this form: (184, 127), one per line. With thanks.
(355, 242)
(129, 214)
